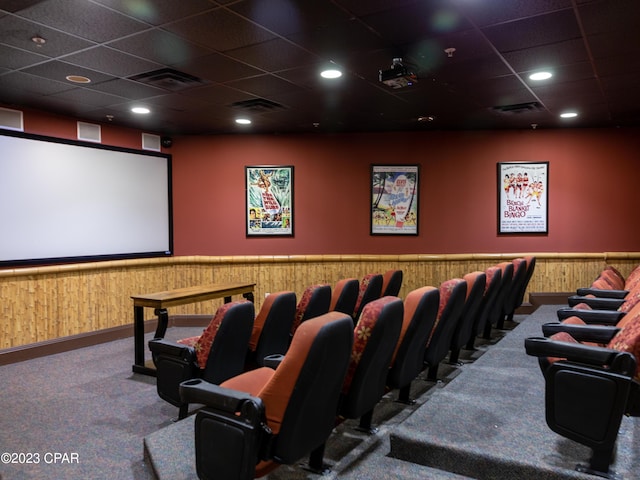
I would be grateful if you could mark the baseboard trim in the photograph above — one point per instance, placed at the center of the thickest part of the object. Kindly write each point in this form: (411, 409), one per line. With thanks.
(72, 342)
(64, 344)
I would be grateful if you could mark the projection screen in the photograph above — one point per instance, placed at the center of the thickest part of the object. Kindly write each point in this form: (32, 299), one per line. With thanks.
(65, 201)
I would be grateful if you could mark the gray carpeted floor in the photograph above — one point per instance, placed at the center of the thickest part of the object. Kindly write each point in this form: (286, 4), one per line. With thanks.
(87, 404)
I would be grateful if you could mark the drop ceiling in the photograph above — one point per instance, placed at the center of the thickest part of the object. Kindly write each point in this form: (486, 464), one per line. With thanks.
(198, 64)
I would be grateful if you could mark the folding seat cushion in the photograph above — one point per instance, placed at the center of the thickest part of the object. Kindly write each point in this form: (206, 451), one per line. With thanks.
(496, 316)
(345, 295)
(627, 338)
(216, 355)
(260, 419)
(391, 283)
(588, 389)
(420, 310)
(272, 327)
(315, 301)
(375, 338)
(202, 343)
(453, 293)
(370, 289)
(530, 260)
(476, 283)
(512, 299)
(492, 286)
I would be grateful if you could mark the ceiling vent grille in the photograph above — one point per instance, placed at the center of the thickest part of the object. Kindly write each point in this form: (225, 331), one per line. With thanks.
(257, 105)
(169, 79)
(518, 108)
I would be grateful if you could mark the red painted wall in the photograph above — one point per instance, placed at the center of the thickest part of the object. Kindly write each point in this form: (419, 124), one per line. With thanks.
(592, 189)
(592, 183)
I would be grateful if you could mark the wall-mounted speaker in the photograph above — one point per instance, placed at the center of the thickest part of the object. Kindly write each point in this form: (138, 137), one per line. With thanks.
(167, 142)
(11, 119)
(89, 132)
(151, 142)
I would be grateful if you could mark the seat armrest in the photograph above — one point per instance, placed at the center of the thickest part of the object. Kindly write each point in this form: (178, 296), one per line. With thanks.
(602, 292)
(582, 333)
(167, 347)
(597, 303)
(623, 362)
(602, 317)
(215, 396)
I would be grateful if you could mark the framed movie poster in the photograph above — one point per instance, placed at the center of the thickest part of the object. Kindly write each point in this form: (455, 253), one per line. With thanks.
(269, 200)
(394, 199)
(523, 195)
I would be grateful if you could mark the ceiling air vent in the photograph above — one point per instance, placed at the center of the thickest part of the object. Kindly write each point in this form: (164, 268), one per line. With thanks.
(518, 108)
(169, 79)
(257, 105)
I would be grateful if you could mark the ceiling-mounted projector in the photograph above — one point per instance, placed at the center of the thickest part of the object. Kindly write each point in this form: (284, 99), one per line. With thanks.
(398, 76)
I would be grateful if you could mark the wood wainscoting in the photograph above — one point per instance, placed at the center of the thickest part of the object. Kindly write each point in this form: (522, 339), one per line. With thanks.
(40, 305)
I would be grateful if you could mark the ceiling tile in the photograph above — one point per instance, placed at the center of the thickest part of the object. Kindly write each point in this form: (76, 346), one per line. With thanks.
(160, 47)
(58, 71)
(84, 19)
(158, 12)
(14, 58)
(111, 62)
(534, 31)
(18, 32)
(284, 17)
(273, 55)
(220, 30)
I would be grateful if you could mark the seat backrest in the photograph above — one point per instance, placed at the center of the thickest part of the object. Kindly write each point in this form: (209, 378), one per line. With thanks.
(345, 295)
(375, 338)
(370, 289)
(453, 294)
(301, 399)
(531, 265)
(517, 282)
(476, 282)
(420, 311)
(505, 288)
(314, 302)
(272, 326)
(492, 287)
(391, 283)
(222, 347)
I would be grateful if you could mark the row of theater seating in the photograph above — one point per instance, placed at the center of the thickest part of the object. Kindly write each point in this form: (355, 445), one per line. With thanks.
(589, 360)
(285, 404)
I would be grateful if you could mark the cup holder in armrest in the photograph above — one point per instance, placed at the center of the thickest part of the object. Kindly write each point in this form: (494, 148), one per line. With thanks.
(272, 361)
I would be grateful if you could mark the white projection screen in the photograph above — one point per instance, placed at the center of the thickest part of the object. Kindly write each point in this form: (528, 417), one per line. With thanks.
(64, 201)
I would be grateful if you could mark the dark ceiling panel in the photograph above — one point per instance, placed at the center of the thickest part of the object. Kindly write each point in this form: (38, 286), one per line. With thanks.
(160, 47)
(273, 55)
(203, 56)
(158, 12)
(83, 19)
(220, 30)
(500, 11)
(15, 59)
(534, 31)
(110, 61)
(18, 32)
(284, 17)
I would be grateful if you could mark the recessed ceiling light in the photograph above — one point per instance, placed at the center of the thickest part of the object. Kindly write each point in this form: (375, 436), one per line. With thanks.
(140, 110)
(78, 79)
(331, 73)
(38, 40)
(568, 115)
(243, 121)
(540, 76)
